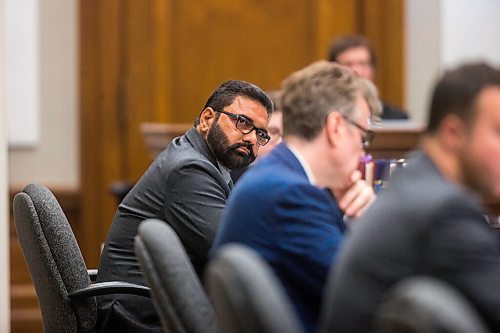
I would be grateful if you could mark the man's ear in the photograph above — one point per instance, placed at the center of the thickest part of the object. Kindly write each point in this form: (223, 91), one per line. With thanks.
(452, 133)
(207, 117)
(332, 127)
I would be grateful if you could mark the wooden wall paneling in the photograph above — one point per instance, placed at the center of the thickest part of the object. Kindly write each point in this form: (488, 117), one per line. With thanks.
(89, 59)
(161, 52)
(100, 121)
(147, 70)
(394, 44)
(333, 18)
(383, 23)
(217, 40)
(138, 72)
(110, 113)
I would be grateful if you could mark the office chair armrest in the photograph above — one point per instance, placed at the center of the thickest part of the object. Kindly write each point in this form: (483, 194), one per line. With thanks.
(111, 287)
(92, 274)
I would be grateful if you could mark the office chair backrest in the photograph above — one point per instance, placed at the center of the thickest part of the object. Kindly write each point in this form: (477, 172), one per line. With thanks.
(247, 296)
(427, 305)
(176, 290)
(54, 260)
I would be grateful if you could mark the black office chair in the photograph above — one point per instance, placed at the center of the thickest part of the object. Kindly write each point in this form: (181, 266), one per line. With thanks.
(61, 279)
(427, 305)
(247, 296)
(177, 293)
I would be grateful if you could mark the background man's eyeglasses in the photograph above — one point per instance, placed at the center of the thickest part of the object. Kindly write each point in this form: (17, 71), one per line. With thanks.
(245, 126)
(368, 135)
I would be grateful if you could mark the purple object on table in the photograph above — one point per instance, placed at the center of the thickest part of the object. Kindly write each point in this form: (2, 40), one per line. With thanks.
(381, 173)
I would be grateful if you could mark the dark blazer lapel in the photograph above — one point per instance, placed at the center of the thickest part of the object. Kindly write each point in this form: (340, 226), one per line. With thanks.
(199, 143)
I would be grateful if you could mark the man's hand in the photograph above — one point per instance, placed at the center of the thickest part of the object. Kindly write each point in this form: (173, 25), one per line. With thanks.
(357, 197)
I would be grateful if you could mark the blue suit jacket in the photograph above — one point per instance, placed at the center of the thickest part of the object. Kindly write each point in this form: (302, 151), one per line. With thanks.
(295, 226)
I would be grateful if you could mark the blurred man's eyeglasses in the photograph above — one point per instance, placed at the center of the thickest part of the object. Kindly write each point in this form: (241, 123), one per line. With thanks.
(368, 135)
(245, 126)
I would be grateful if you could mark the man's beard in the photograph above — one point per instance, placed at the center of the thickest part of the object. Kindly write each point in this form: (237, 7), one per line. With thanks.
(226, 154)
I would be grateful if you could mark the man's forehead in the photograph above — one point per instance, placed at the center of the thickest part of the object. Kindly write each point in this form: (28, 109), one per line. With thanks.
(487, 104)
(355, 52)
(246, 106)
(251, 109)
(243, 101)
(489, 97)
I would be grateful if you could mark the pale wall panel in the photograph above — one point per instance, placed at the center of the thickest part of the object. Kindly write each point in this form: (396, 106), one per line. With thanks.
(22, 86)
(55, 159)
(470, 31)
(445, 33)
(422, 54)
(4, 209)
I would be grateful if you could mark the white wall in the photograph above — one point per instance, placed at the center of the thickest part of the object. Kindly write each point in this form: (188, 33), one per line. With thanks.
(4, 208)
(21, 73)
(422, 54)
(470, 31)
(444, 33)
(54, 161)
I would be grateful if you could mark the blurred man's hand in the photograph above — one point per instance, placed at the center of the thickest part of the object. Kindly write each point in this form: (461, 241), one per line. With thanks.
(357, 197)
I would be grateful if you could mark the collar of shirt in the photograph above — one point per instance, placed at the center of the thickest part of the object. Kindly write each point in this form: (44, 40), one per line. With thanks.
(303, 163)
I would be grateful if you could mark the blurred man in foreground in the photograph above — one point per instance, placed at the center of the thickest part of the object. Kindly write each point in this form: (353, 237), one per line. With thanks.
(290, 206)
(429, 221)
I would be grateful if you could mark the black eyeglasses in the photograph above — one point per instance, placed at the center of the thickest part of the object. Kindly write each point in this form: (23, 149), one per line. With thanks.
(368, 135)
(245, 126)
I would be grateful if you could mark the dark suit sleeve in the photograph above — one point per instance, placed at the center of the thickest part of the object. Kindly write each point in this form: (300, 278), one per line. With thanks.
(194, 201)
(464, 252)
(392, 112)
(309, 233)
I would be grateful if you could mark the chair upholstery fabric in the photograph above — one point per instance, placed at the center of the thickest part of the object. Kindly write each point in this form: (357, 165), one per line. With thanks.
(246, 294)
(427, 305)
(54, 260)
(177, 293)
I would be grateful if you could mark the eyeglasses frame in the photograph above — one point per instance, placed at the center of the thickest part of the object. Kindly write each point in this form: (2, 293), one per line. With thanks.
(368, 136)
(238, 117)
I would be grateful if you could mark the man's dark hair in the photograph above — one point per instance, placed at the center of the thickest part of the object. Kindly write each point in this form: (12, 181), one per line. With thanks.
(457, 91)
(225, 94)
(343, 43)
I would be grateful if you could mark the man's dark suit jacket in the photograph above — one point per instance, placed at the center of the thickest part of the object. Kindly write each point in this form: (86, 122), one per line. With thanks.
(186, 187)
(295, 226)
(392, 112)
(421, 224)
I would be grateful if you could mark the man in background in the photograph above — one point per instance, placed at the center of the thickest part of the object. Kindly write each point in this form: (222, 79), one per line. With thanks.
(290, 206)
(429, 221)
(357, 53)
(187, 187)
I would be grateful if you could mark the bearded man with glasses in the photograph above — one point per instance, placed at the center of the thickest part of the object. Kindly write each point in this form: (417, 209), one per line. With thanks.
(186, 186)
(290, 206)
